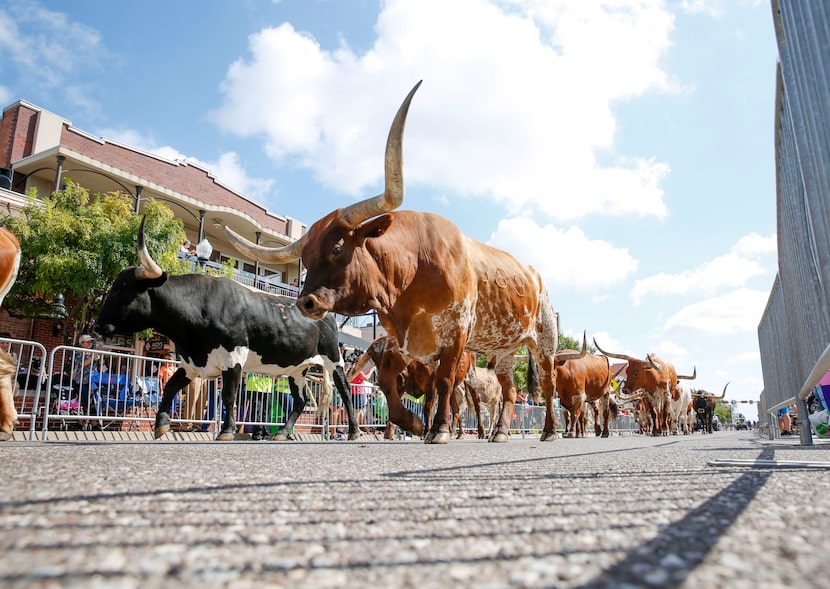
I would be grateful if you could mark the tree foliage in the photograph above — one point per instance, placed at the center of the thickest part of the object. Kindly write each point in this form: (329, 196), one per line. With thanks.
(520, 366)
(76, 244)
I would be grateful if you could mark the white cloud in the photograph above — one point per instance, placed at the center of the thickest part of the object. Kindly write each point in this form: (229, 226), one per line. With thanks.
(529, 142)
(47, 50)
(728, 271)
(737, 311)
(564, 258)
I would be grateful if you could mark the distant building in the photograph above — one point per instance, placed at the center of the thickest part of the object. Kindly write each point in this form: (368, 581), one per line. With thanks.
(41, 149)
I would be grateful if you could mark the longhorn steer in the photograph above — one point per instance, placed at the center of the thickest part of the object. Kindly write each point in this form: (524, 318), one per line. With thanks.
(483, 388)
(582, 380)
(436, 291)
(9, 265)
(681, 397)
(416, 380)
(220, 327)
(704, 405)
(656, 378)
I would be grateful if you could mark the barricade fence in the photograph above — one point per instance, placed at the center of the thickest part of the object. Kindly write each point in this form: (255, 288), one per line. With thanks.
(79, 388)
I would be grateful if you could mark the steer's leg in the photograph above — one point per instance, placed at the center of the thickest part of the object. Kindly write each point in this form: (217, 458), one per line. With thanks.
(177, 382)
(391, 365)
(547, 381)
(297, 405)
(444, 383)
(8, 412)
(230, 383)
(473, 394)
(345, 394)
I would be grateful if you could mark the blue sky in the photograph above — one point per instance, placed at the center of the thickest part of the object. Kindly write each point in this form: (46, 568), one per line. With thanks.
(624, 148)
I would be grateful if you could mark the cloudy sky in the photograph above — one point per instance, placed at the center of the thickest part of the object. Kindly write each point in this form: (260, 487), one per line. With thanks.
(622, 147)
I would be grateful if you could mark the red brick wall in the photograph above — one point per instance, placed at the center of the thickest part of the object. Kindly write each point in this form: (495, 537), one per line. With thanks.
(37, 330)
(183, 178)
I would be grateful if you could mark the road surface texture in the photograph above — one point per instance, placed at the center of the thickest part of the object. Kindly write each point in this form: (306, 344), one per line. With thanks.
(627, 511)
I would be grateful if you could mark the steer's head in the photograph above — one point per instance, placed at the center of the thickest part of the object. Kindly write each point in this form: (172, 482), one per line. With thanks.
(340, 263)
(127, 306)
(645, 374)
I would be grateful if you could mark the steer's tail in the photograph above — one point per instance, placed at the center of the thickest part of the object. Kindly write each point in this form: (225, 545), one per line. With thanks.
(615, 409)
(533, 380)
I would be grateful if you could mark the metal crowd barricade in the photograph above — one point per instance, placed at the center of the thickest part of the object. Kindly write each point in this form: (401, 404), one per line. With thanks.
(121, 391)
(29, 381)
(123, 394)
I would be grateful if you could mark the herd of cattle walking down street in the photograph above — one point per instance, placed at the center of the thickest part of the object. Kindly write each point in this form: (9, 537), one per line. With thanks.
(442, 302)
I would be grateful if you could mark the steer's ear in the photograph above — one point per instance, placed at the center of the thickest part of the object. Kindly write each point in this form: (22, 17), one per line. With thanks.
(374, 228)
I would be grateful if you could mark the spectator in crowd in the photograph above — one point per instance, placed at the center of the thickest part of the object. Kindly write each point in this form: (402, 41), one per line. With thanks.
(83, 364)
(194, 404)
(187, 251)
(785, 421)
(360, 385)
(260, 389)
(167, 369)
(284, 400)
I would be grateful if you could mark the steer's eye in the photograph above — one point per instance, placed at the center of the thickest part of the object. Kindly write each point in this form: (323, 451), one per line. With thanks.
(337, 249)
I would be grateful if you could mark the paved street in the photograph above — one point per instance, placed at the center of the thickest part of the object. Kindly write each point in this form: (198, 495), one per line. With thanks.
(625, 511)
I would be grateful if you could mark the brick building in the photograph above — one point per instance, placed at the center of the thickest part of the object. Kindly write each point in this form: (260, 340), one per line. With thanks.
(39, 149)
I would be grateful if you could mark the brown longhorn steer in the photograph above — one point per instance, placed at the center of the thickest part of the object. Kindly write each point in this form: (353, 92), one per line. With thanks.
(582, 380)
(436, 291)
(416, 380)
(9, 265)
(656, 378)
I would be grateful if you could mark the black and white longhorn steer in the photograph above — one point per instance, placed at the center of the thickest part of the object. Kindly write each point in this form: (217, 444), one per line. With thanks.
(220, 327)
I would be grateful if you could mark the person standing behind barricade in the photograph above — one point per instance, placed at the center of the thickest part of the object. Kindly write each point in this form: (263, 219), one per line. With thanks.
(194, 405)
(359, 384)
(284, 401)
(260, 388)
(167, 369)
(83, 363)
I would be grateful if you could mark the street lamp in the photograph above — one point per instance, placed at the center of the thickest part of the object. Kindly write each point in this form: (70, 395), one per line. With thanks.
(203, 251)
(58, 307)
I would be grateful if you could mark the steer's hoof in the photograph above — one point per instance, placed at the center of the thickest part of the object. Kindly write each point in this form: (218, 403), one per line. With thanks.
(353, 436)
(547, 437)
(162, 425)
(279, 437)
(225, 437)
(500, 438)
(439, 438)
(5, 436)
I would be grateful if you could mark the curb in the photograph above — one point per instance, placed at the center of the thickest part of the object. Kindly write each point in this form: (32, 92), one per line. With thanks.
(119, 436)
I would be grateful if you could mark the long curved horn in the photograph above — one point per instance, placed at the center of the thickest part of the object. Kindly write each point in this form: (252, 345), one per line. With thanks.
(653, 363)
(692, 377)
(268, 255)
(609, 354)
(563, 355)
(723, 394)
(633, 397)
(148, 268)
(392, 196)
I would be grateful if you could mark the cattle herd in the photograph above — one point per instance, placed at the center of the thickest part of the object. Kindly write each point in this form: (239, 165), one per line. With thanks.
(442, 298)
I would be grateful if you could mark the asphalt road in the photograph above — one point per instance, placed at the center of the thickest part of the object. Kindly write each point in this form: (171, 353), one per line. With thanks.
(620, 512)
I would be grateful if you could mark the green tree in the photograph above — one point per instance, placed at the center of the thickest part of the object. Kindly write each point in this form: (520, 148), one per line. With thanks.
(520, 365)
(76, 244)
(724, 412)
